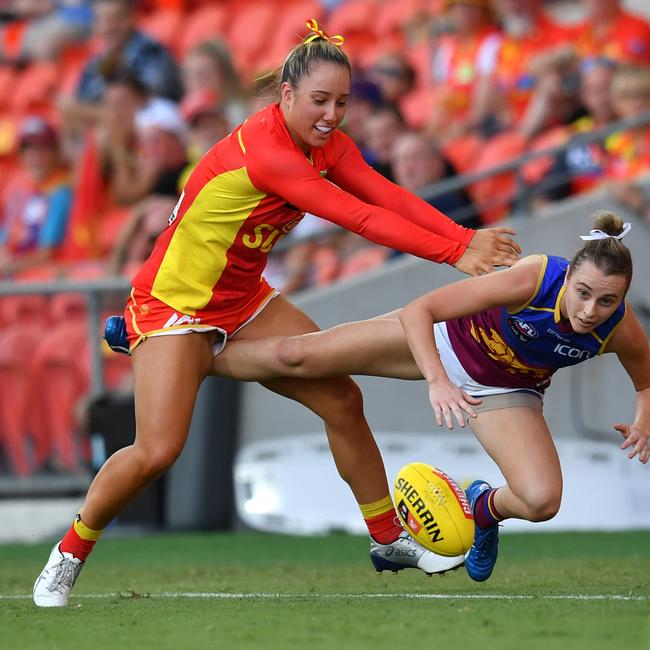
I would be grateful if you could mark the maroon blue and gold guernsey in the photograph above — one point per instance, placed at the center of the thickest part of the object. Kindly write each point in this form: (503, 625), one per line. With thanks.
(522, 348)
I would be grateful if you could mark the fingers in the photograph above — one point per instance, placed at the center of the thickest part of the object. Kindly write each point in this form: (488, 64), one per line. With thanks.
(503, 229)
(472, 400)
(509, 244)
(445, 413)
(644, 456)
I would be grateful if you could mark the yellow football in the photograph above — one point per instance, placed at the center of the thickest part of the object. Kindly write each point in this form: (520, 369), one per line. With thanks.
(434, 509)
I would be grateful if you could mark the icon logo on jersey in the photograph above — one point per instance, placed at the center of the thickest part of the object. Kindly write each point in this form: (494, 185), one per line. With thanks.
(572, 353)
(323, 173)
(524, 331)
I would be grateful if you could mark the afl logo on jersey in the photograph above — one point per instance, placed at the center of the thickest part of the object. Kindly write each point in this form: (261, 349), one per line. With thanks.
(524, 331)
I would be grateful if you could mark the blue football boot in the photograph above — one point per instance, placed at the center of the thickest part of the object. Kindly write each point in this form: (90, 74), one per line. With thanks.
(115, 334)
(482, 556)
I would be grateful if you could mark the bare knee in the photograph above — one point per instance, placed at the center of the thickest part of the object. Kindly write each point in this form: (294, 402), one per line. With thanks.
(155, 462)
(292, 352)
(340, 400)
(542, 503)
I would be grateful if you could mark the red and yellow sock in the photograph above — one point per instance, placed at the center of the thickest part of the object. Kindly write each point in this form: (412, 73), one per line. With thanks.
(485, 512)
(79, 540)
(381, 519)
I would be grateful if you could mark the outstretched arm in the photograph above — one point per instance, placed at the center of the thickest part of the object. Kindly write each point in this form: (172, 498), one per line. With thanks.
(509, 288)
(295, 180)
(630, 343)
(485, 248)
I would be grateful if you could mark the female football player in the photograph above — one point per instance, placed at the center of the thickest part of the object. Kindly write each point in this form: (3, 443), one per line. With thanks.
(203, 284)
(487, 347)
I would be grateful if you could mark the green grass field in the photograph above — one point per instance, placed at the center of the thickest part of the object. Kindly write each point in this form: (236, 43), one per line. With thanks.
(246, 590)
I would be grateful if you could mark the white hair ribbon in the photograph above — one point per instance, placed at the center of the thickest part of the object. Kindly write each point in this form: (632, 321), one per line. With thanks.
(599, 234)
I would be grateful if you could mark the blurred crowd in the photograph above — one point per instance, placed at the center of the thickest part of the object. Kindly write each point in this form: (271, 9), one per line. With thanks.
(106, 106)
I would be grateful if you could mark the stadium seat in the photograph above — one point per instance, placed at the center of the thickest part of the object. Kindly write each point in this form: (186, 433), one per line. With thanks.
(287, 32)
(60, 369)
(35, 87)
(203, 24)
(326, 265)
(17, 343)
(23, 320)
(353, 20)
(11, 39)
(417, 106)
(535, 170)
(249, 31)
(493, 195)
(462, 151)
(391, 19)
(363, 260)
(163, 25)
(7, 84)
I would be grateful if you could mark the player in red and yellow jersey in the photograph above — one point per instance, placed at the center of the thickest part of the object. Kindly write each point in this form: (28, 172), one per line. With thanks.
(203, 280)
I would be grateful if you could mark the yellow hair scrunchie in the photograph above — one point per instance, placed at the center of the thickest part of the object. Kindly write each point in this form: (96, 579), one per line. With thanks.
(317, 32)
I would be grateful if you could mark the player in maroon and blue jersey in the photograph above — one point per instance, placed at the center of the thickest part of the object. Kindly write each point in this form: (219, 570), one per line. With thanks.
(488, 347)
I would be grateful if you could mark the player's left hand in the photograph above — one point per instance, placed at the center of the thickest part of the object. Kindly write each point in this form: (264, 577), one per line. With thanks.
(636, 439)
(497, 245)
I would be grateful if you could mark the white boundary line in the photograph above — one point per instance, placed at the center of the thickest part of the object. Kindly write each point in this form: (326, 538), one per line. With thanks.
(342, 596)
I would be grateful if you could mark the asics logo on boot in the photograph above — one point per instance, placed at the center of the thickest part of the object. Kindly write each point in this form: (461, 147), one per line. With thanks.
(398, 552)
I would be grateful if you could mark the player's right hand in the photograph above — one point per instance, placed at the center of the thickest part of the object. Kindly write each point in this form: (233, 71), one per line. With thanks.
(475, 262)
(497, 245)
(449, 401)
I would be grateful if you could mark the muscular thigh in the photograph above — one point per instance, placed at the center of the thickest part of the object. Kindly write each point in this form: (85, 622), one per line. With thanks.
(520, 443)
(168, 371)
(281, 318)
(278, 318)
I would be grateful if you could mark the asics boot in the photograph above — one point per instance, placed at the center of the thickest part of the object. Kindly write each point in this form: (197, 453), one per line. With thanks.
(406, 553)
(115, 334)
(53, 585)
(482, 556)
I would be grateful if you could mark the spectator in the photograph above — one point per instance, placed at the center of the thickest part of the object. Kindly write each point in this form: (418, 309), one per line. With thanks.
(382, 127)
(581, 166)
(208, 67)
(417, 164)
(122, 46)
(394, 76)
(151, 181)
(612, 32)
(124, 97)
(207, 124)
(160, 158)
(628, 152)
(34, 217)
(365, 96)
(460, 56)
(531, 81)
(58, 23)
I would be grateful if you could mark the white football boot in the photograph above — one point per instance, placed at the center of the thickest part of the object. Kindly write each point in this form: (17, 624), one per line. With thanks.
(406, 553)
(53, 585)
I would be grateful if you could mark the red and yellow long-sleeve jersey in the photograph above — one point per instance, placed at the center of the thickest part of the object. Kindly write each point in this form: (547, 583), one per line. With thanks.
(251, 189)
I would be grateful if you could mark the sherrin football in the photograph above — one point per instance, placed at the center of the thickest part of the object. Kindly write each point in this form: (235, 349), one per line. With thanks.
(434, 509)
